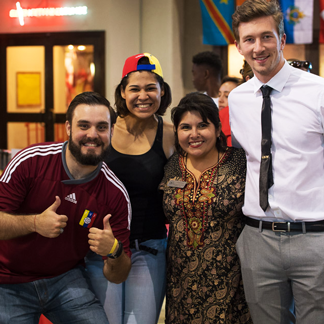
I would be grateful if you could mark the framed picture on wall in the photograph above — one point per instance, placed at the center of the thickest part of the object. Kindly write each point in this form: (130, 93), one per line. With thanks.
(28, 89)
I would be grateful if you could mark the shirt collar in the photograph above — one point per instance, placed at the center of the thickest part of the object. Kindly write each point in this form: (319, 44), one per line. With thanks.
(71, 180)
(277, 82)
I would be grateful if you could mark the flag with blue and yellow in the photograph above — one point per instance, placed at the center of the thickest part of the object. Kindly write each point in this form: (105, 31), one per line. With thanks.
(217, 21)
(87, 218)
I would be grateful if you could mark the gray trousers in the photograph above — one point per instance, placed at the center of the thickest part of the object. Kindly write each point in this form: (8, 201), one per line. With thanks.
(283, 275)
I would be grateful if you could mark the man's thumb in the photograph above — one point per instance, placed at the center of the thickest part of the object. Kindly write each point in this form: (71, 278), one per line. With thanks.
(56, 204)
(106, 223)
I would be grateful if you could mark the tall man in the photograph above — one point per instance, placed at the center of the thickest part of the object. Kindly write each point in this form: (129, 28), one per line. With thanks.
(281, 248)
(207, 73)
(57, 201)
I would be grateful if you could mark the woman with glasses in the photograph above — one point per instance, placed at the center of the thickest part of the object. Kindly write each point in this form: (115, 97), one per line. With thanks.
(246, 72)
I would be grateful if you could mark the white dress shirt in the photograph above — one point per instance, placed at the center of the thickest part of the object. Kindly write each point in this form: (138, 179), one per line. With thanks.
(297, 104)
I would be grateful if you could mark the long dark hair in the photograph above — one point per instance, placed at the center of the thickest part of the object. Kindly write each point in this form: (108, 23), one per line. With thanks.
(206, 107)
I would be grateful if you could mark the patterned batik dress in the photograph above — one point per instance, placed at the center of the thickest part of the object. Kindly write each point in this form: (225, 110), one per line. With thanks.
(204, 283)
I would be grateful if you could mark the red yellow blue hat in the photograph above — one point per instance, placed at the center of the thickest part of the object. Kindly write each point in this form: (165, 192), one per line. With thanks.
(131, 64)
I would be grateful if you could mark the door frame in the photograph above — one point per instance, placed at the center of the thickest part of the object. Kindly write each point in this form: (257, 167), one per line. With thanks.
(48, 40)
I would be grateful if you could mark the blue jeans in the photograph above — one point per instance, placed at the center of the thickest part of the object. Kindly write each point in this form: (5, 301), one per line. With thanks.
(139, 299)
(62, 299)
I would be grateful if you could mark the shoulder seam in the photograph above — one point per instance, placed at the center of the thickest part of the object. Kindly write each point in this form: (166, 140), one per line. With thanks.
(21, 156)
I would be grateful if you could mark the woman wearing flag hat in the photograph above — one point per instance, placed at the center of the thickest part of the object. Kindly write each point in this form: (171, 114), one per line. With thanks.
(141, 144)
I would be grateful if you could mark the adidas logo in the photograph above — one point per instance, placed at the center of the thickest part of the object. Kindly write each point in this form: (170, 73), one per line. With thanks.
(71, 198)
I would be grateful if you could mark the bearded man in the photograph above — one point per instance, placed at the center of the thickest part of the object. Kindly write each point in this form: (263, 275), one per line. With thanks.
(57, 201)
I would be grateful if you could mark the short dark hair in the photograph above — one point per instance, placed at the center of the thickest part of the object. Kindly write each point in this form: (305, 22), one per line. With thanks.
(90, 98)
(251, 9)
(235, 80)
(206, 107)
(120, 102)
(211, 59)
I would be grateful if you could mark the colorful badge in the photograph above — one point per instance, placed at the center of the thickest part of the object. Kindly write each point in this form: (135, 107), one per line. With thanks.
(88, 218)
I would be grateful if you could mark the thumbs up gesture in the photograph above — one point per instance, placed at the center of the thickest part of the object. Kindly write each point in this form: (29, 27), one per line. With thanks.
(101, 241)
(49, 223)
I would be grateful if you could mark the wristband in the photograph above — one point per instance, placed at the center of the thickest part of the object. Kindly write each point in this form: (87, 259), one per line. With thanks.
(117, 253)
(113, 247)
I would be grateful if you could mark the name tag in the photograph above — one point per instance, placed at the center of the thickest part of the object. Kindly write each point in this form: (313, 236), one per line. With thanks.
(176, 184)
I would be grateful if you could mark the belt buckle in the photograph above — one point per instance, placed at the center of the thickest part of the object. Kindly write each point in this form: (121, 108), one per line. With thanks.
(276, 230)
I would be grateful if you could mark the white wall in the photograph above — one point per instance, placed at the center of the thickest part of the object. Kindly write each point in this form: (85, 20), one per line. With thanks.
(160, 29)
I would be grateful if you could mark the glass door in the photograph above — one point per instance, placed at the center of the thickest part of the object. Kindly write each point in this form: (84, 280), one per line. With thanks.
(74, 72)
(25, 95)
(40, 75)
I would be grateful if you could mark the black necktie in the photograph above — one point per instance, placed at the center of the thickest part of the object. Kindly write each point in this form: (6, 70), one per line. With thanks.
(266, 177)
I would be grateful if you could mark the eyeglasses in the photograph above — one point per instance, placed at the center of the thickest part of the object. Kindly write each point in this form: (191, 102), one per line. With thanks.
(301, 65)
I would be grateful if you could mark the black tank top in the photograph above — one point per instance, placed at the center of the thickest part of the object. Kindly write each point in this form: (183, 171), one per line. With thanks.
(141, 175)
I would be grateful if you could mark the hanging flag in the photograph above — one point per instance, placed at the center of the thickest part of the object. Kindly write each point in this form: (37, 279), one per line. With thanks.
(239, 2)
(298, 21)
(217, 21)
(321, 35)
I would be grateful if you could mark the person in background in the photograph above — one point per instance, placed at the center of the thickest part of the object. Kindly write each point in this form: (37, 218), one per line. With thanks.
(58, 201)
(207, 73)
(203, 194)
(246, 71)
(228, 84)
(303, 65)
(140, 147)
(281, 130)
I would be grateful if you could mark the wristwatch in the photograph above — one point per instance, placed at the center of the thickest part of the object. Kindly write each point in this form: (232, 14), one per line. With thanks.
(118, 251)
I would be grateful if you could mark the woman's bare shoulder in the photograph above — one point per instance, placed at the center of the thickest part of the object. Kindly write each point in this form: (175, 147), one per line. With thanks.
(168, 127)
(168, 139)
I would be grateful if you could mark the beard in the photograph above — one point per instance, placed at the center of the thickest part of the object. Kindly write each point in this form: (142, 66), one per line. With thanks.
(89, 158)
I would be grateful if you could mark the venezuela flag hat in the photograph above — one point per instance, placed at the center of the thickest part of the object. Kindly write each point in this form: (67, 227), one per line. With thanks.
(131, 64)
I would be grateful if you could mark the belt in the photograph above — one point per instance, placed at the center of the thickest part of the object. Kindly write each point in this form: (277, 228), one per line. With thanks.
(301, 227)
(136, 245)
